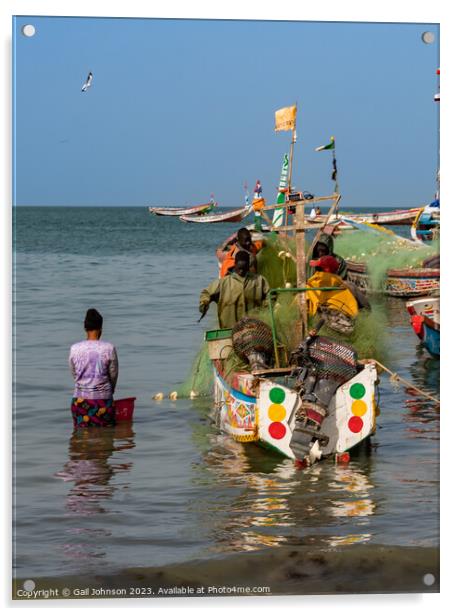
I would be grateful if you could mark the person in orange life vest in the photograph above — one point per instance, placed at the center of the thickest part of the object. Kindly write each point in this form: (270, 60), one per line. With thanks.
(242, 241)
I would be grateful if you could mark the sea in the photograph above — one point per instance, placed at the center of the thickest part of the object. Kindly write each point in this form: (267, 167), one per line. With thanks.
(168, 491)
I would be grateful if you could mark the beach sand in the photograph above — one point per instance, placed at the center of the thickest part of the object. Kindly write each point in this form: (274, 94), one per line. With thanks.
(280, 571)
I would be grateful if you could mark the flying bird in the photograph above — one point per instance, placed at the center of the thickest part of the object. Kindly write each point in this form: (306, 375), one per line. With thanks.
(87, 83)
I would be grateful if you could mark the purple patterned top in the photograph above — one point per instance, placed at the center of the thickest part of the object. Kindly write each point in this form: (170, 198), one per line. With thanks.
(94, 366)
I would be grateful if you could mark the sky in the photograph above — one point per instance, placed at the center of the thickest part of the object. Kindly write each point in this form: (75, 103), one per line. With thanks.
(182, 109)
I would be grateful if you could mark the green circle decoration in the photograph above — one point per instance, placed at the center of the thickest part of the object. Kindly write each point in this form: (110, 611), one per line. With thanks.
(277, 395)
(357, 391)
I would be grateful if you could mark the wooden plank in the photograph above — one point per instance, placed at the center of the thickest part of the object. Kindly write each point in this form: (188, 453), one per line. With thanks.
(272, 371)
(303, 201)
(301, 265)
(293, 228)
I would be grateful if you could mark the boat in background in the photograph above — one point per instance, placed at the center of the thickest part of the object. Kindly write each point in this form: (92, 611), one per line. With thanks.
(425, 321)
(426, 225)
(392, 217)
(230, 216)
(404, 282)
(183, 211)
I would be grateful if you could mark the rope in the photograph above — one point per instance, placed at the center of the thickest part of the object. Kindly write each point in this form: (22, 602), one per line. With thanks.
(397, 377)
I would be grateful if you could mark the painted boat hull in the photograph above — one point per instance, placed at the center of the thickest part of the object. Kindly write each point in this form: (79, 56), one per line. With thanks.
(256, 415)
(432, 337)
(394, 217)
(179, 211)
(426, 225)
(230, 216)
(398, 282)
(425, 321)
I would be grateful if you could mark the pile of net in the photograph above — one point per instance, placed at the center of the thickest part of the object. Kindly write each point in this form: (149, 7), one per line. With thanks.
(382, 251)
(276, 262)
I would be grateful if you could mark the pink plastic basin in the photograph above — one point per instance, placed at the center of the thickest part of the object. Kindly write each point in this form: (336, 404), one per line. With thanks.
(124, 409)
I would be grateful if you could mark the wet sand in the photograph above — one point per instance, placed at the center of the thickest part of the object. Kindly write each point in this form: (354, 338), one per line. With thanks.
(281, 571)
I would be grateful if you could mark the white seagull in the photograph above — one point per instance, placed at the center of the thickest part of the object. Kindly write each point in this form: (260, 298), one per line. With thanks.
(87, 83)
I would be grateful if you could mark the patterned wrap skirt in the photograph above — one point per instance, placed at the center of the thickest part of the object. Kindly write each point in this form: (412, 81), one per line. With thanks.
(87, 412)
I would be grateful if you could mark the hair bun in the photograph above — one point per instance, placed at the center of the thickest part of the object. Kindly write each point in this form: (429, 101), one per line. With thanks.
(93, 320)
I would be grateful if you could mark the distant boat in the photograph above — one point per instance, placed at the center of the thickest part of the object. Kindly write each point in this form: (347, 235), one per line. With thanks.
(230, 216)
(392, 217)
(181, 211)
(425, 321)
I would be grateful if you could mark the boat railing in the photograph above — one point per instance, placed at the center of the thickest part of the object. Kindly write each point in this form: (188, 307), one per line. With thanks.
(273, 295)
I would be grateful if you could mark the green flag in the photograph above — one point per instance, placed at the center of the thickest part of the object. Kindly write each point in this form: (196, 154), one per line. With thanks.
(278, 216)
(329, 146)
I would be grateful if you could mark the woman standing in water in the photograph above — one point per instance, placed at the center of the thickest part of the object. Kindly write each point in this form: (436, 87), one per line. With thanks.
(94, 366)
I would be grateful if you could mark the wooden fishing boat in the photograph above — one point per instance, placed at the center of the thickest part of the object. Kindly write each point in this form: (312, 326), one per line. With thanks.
(318, 402)
(257, 408)
(426, 225)
(425, 321)
(230, 216)
(182, 211)
(278, 409)
(393, 217)
(405, 282)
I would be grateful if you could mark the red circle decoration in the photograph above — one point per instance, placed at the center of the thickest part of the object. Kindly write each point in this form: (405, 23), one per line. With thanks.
(355, 424)
(277, 430)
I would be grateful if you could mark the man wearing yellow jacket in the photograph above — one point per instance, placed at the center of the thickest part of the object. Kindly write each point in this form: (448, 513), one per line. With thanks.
(236, 293)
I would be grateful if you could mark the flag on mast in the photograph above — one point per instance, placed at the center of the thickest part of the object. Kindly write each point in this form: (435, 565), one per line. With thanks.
(285, 118)
(278, 216)
(329, 146)
(334, 175)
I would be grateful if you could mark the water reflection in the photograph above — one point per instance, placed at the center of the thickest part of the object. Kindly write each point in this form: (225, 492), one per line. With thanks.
(396, 312)
(424, 414)
(91, 466)
(90, 469)
(356, 487)
(260, 499)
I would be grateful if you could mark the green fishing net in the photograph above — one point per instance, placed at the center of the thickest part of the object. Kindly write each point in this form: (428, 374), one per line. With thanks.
(200, 377)
(369, 336)
(274, 261)
(382, 251)
(379, 250)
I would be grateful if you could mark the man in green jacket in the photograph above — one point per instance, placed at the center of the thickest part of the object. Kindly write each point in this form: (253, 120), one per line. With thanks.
(235, 294)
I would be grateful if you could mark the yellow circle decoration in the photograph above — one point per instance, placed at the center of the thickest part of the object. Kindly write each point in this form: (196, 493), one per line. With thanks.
(86, 418)
(359, 408)
(277, 412)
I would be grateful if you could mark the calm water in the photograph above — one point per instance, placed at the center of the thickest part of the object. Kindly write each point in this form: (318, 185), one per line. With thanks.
(168, 489)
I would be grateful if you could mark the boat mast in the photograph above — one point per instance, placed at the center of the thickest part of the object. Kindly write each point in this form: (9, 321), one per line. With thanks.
(299, 224)
(285, 119)
(292, 144)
